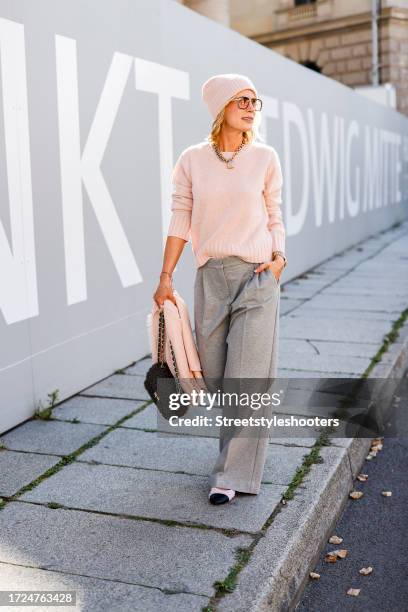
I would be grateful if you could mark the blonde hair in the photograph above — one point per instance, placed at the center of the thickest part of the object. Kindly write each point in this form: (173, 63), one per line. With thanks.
(249, 136)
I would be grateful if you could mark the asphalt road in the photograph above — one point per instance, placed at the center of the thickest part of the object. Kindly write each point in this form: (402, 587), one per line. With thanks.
(374, 529)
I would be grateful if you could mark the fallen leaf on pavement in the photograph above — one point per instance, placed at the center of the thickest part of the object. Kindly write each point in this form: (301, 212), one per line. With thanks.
(365, 570)
(386, 493)
(353, 592)
(330, 558)
(314, 575)
(362, 477)
(335, 540)
(342, 553)
(356, 494)
(377, 444)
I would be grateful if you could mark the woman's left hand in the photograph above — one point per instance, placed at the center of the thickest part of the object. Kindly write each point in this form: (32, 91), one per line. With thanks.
(276, 266)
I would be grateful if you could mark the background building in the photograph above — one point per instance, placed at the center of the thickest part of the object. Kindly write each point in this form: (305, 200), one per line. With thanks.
(333, 37)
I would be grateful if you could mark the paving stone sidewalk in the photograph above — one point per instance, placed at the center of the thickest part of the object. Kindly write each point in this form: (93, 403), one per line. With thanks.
(123, 517)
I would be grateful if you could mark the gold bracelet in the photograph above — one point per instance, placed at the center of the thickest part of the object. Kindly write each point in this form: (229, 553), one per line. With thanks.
(275, 253)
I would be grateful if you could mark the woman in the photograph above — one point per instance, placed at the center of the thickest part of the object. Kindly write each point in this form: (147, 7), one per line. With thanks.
(226, 198)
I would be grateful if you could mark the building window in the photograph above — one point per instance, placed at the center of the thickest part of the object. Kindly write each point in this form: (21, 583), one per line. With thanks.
(311, 65)
(299, 2)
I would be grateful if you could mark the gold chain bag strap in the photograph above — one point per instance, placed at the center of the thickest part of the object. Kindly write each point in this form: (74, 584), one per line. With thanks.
(160, 352)
(161, 370)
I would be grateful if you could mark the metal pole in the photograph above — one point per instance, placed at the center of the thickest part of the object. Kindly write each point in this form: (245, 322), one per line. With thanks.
(375, 7)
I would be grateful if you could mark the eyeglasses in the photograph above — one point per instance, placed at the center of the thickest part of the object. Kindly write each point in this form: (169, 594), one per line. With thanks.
(243, 103)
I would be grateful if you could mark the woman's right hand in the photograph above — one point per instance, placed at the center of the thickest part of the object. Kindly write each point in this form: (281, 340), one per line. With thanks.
(164, 291)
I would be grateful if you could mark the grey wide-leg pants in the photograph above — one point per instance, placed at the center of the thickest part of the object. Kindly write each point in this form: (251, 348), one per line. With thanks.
(236, 317)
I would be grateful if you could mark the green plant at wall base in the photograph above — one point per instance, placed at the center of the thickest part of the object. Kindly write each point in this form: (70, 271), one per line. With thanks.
(45, 413)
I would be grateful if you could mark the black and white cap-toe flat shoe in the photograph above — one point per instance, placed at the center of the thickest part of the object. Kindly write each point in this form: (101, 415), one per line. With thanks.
(220, 496)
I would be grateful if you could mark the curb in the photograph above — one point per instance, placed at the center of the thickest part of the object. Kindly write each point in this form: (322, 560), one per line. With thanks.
(279, 567)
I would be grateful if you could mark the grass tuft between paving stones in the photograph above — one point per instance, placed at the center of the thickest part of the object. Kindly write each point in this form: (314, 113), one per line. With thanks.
(389, 339)
(242, 556)
(230, 533)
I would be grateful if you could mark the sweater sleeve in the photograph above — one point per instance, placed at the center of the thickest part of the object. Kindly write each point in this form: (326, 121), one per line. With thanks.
(182, 200)
(273, 201)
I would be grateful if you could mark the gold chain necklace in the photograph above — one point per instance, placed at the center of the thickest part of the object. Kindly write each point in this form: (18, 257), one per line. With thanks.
(228, 162)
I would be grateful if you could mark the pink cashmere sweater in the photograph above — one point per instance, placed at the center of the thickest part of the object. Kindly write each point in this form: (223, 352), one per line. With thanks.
(228, 212)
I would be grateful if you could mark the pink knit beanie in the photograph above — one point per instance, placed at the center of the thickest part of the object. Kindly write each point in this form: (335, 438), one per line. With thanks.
(217, 90)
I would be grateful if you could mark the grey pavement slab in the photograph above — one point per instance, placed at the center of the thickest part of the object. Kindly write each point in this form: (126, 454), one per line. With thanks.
(140, 367)
(150, 419)
(119, 385)
(52, 437)
(300, 292)
(388, 276)
(306, 312)
(283, 461)
(321, 401)
(187, 454)
(116, 548)
(369, 288)
(323, 329)
(312, 284)
(296, 374)
(99, 410)
(317, 272)
(95, 594)
(294, 441)
(381, 264)
(370, 260)
(315, 281)
(19, 469)
(152, 451)
(353, 349)
(370, 281)
(303, 346)
(324, 363)
(381, 303)
(151, 494)
(346, 261)
(288, 304)
(145, 419)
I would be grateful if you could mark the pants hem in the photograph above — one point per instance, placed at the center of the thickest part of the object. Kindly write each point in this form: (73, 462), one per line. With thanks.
(234, 486)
